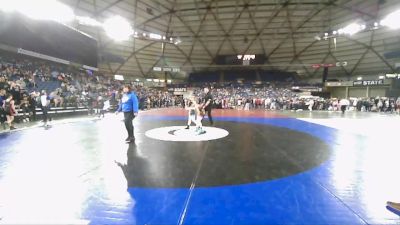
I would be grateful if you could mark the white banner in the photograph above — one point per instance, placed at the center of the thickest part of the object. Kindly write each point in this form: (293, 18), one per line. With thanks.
(176, 70)
(118, 77)
(42, 56)
(167, 69)
(368, 82)
(90, 68)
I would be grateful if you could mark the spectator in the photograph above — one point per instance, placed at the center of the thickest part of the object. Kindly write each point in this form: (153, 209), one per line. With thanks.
(3, 116)
(9, 109)
(344, 103)
(24, 106)
(45, 105)
(32, 105)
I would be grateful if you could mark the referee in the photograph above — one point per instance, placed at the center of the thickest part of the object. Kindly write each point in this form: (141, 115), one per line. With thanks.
(129, 105)
(207, 106)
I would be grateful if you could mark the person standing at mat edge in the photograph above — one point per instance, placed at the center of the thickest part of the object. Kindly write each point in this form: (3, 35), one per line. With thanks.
(129, 106)
(45, 102)
(208, 101)
(344, 103)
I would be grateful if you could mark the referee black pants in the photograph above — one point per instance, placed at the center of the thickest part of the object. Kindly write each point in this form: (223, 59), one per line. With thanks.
(46, 116)
(209, 115)
(343, 108)
(128, 117)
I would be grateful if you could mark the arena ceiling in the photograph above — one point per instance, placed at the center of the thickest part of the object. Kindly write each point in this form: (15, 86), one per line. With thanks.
(283, 30)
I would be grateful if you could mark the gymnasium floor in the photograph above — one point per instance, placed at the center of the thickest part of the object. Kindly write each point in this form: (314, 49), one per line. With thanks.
(251, 167)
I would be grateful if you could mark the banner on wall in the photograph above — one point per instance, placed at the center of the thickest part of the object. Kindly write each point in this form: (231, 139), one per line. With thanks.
(90, 68)
(307, 89)
(393, 75)
(339, 84)
(42, 56)
(368, 82)
(178, 91)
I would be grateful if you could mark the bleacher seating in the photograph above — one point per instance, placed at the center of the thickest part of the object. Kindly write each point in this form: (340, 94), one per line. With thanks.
(49, 86)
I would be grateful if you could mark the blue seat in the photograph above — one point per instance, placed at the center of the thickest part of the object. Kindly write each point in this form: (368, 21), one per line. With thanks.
(49, 86)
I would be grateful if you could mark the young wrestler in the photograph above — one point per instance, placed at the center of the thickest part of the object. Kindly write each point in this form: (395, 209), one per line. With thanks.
(190, 106)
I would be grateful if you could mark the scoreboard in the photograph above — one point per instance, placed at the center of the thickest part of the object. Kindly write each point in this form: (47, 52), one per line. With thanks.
(257, 59)
(337, 64)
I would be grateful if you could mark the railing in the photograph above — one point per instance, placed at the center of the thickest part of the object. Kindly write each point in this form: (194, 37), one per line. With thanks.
(58, 110)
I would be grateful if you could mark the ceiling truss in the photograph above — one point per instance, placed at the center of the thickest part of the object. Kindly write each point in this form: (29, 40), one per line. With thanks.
(282, 30)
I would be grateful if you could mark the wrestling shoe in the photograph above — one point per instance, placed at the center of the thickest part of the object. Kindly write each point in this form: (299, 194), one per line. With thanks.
(130, 140)
(127, 139)
(187, 128)
(201, 131)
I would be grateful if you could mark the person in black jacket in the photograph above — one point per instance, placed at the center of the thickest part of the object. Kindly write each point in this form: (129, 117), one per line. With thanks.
(3, 117)
(100, 106)
(32, 105)
(207, 105)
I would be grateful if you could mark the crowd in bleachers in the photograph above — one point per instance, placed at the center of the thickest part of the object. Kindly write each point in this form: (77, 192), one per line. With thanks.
(282, 97)
(25, 78)
(156, 98)
(237, 96)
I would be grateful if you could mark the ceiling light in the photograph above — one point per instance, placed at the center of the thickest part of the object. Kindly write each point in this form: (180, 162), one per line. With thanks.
(359, 78)
(87, 21)
(156, 80)
(137, 80)
(177, 41)
(352, 29)
(155, 36)
(118, 28)
(149, 80)
(392, 20)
